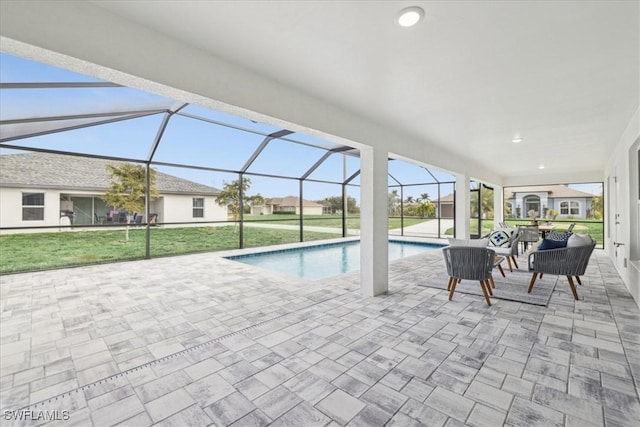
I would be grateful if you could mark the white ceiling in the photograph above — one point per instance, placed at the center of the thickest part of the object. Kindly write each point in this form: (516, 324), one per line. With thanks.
(564, 75)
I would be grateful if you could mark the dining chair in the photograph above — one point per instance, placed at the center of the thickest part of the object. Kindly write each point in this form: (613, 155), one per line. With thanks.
(529, 234)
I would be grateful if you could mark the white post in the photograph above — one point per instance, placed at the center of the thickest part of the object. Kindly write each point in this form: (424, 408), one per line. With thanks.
(498, 214)
(463, 206)
(374, 249)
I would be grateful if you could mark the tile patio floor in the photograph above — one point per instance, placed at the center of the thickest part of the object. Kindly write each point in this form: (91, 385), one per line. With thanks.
(198, 340)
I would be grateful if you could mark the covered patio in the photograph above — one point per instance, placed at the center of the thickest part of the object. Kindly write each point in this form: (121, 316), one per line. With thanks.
(497, 94)
(200, 340)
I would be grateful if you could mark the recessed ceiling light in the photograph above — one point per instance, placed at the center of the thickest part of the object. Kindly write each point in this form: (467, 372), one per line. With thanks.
(517, 140)
(410, 16)
(541, 167)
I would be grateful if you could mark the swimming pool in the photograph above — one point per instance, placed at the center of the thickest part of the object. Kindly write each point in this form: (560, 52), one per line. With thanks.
(322, 261)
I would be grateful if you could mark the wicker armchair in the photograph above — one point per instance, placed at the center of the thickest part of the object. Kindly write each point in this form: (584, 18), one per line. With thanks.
(469, 263)
(571, 262)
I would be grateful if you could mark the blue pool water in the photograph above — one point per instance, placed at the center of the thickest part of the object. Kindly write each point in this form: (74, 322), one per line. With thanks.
(319, 262)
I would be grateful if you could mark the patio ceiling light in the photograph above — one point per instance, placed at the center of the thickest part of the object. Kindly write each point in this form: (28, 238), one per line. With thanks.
(517, 140)
(541, 167)
(410, 16)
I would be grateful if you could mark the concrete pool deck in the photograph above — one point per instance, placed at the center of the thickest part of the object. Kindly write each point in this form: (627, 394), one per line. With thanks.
(201, 340)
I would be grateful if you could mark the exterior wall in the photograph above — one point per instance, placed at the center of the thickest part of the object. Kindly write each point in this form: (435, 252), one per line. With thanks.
(262, 210)
(519, 202)
(585, 204)
(170, 208)
(11, 209)
(549, 203)
(179, 208)
(446, 210)
(622, 170)
(311, 210)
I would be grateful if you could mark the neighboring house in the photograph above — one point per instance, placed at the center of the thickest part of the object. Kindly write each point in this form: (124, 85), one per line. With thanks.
(520, 200)
(567, 201)
(444, 206)
(42, 189)
(289, 204)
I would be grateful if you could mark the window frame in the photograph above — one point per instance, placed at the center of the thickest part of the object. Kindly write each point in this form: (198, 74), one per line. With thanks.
(195, 208)
(571, 205)
(31, 206)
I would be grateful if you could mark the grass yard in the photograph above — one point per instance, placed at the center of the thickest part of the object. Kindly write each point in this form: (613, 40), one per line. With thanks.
(38, 251)
(331, 221)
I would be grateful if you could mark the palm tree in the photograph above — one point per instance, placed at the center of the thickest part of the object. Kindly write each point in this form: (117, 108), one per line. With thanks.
(393, 202)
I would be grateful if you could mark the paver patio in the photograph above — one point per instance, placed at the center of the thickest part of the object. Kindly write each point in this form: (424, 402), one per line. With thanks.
(201, 340)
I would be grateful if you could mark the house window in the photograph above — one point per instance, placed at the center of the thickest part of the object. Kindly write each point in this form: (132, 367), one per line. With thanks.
(198, 207)
(32, 206)
(569, 208)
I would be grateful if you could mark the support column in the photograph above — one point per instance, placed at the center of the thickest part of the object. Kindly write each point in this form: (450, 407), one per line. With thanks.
(374, 247)
(463, 207)
(498, 210)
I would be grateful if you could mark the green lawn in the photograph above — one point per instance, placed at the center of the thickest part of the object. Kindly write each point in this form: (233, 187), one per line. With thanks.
(331, 221)
(37, 251)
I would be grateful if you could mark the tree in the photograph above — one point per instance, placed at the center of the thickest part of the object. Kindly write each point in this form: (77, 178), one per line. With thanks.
(426, 208)
(486, 203)
(597, 206)
(230, 196)
(393, 203)
(335, 203)
(127, 190)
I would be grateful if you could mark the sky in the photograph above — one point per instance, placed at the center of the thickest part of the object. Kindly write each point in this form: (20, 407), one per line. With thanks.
(187, 140)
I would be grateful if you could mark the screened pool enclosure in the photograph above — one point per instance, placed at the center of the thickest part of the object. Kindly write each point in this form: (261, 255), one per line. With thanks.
(59, 131)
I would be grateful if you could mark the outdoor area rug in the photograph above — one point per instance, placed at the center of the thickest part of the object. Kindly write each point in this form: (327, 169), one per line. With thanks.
(512, 288)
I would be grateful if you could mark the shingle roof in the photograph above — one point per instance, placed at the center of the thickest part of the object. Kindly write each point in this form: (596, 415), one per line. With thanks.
(290, 201)
(45, 170)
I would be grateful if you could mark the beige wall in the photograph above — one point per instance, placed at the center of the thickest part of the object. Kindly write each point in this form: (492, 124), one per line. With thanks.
(262, 210)
(170, 208)
(179, 208)
(310, 210)
(11, 209)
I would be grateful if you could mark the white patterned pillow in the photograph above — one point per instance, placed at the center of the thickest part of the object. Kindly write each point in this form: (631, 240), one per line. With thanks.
(499, 238)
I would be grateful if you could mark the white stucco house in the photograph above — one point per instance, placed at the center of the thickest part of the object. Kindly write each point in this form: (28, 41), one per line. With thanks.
(43, 189)
(288, 204)
(569, 202)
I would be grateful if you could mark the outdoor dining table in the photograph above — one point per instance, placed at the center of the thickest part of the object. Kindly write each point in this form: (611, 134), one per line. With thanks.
(544, 229)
